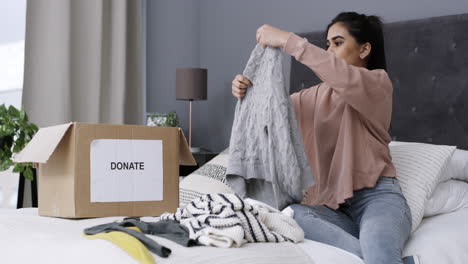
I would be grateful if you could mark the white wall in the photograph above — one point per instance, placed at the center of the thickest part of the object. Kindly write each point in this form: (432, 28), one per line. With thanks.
(8, 189)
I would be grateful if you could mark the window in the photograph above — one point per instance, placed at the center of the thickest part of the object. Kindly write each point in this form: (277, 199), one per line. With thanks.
(12, 32)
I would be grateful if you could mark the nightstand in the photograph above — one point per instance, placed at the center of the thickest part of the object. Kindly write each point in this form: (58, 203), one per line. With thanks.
(201, 158)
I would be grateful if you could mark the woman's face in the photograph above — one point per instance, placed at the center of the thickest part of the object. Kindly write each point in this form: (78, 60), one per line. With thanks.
(345, 46)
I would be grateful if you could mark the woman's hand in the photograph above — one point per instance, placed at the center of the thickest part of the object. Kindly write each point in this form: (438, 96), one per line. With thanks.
(239, 86)
(270, 36)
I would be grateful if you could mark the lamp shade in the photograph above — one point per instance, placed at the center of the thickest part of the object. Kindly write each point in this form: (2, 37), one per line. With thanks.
(191, 84)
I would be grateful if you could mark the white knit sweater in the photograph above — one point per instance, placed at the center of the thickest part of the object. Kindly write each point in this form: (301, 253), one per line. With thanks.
(266, 147)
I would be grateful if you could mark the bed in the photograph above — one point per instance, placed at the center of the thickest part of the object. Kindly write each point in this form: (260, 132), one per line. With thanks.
(29, 238)
(428, 64)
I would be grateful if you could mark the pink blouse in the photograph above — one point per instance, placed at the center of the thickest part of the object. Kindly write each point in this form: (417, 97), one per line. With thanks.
(344, 123)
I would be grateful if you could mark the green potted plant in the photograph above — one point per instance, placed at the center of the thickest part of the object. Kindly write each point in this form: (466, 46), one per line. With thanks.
(15, 132)
(163, 119)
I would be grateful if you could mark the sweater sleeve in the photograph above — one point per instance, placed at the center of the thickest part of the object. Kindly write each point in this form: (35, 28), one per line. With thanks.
(361, 88)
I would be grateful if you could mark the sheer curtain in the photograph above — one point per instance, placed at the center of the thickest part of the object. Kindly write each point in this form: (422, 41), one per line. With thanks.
(84, 61)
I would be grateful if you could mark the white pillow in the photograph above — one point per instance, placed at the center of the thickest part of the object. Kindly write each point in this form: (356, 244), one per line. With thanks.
(457, 167)
(209, 178)
(419, 168)
(448, 196)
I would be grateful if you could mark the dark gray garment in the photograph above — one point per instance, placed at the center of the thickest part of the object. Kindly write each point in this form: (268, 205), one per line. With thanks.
(266, 148)
(168, 229)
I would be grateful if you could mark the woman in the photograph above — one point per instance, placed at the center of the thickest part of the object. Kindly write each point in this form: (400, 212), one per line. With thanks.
(356, 203)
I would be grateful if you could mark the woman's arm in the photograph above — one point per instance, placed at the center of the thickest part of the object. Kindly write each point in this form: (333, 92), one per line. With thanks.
(363, 89)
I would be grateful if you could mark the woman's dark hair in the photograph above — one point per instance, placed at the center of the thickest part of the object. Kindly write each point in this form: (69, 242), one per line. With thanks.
(365, 29)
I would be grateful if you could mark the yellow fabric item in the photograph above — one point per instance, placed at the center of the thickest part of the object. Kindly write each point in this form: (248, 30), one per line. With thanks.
(128, 243)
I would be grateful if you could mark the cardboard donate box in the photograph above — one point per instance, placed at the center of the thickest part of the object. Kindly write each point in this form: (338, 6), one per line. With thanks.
(97, 170)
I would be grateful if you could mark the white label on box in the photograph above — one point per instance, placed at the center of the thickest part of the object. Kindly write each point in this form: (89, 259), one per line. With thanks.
(124, 170)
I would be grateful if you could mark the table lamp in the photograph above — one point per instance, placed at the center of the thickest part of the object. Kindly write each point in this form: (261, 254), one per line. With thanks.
(191, 85)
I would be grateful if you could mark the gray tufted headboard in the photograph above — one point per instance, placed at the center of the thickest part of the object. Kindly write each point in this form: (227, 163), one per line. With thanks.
(427, 61)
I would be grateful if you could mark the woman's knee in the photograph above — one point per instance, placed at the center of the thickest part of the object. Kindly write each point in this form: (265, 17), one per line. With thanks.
(302, 211)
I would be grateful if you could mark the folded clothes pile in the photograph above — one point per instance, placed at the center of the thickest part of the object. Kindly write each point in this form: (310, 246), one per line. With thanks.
(225, 220)
(219, 220)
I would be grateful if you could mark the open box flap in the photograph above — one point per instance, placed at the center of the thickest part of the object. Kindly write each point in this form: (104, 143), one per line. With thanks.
(185, 155)
(42, 145)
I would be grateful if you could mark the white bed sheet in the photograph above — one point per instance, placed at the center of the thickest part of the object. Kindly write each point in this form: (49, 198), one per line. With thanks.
(28, 238)
(441, 239)
(325, 254)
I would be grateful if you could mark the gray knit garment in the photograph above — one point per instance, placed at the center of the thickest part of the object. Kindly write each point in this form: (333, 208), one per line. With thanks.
(266, 149)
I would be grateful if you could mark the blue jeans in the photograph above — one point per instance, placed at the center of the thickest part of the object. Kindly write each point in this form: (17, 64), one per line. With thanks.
(374, 224)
